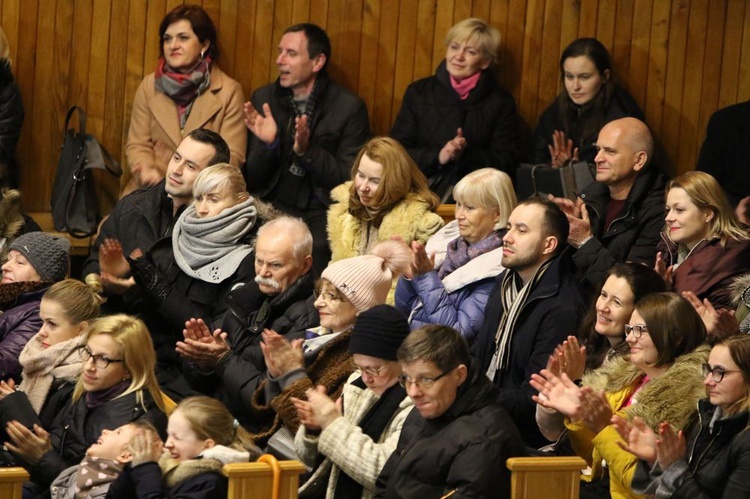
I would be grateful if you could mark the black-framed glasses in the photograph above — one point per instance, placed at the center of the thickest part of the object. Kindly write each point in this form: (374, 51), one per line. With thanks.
(421, 383)
(636, 329)
(100, 361)
(374, 372)
(717, 373)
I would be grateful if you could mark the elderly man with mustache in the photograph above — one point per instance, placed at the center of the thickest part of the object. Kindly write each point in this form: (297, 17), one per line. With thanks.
(280, 298)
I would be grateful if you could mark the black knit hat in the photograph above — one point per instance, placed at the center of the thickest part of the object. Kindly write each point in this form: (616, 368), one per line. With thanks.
(378, 332)
(47, 254)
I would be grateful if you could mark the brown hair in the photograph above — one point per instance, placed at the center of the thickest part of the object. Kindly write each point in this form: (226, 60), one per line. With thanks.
(199, 20)
(441, 345)
(707, 194)
(401, 178)
(673, 324)
(739, 350)
(209, 418)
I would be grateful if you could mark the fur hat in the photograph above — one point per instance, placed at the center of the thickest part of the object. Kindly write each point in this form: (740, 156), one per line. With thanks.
(379, 332)
(47, 254)
(365, 280)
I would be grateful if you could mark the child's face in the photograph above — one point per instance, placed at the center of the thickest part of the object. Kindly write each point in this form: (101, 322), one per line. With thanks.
(182, 442)
(113, 443)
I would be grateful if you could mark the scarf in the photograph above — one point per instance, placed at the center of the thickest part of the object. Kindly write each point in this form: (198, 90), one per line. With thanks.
(513, 297)
(745, 324)
(209, 248)
(93, 472)
(96, 399)
(183, 88)
(42, 366)
(373, 424)
(460, 252)
(464, 87)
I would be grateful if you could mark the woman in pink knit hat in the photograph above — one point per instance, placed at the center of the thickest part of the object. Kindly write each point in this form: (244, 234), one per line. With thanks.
(346, 288)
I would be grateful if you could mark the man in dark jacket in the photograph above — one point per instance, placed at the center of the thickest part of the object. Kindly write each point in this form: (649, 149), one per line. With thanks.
(142, 217)
(533, 307)
(619, 217)
(306, 132)
(456, 441)
(230, 362)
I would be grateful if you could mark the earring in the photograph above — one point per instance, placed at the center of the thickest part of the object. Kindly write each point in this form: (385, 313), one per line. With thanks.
(203, 51)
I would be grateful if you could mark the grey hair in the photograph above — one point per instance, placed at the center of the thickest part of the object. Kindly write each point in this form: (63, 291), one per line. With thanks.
(297, 230)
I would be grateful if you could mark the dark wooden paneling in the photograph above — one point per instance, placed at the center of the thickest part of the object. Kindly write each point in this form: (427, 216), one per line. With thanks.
(681, 59)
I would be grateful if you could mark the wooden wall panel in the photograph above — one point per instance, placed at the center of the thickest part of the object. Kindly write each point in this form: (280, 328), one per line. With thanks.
(681, 59)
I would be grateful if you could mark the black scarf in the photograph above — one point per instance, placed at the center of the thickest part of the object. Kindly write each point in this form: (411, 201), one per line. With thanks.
(373, 424)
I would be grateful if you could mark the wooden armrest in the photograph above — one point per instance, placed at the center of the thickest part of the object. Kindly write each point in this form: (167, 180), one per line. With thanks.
(533, 477)
(447, 212)
(11, 482)
(256, 479)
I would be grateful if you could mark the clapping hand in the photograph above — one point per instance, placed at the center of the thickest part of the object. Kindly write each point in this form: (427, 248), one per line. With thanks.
(281, 356)
(639, 438)
(318, 411)
(559, 393)
(263, 125)
(145, 447)
(453, 149)
(561, 149)
(27, 445)
(202, 347)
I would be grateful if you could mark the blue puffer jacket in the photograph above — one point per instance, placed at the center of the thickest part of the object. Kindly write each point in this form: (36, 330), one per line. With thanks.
(459, 299)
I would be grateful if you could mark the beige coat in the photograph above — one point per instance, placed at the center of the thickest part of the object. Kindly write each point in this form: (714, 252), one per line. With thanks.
(155, 132)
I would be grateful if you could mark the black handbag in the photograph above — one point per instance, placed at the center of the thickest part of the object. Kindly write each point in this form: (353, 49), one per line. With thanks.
(75, 208)
(566, 181)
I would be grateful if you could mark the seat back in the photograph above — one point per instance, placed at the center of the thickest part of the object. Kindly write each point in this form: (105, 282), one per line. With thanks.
(266, 478)
(535, 477)
(447, 212)
(11, 482)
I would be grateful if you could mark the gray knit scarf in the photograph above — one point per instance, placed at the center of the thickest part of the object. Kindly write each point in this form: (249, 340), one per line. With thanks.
(513, 294)
(209, 248)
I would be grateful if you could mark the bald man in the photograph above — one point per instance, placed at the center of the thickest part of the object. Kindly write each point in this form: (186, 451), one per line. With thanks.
(619, 217)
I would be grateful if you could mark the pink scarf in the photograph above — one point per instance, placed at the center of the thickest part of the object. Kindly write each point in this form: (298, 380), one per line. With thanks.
(465, 86)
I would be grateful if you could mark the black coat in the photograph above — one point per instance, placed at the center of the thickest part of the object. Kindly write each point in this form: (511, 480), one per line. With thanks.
(718, 461)
(236, 378)
(465, 449)
(145, 482)
(724, 155)
(170, 298)
(138, 220)
(77, 427)
(632, 237)
(339, 128)
(552, 311)
(11, 120)
(432, 112)
(621, 105)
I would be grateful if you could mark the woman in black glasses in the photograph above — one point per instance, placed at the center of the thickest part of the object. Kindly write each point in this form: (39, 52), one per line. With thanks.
(117, 386)
(659, 379)
(712, 458)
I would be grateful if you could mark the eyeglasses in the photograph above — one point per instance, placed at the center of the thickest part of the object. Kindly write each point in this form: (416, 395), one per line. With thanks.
(374, 372)
(421, 383)
(636, 329)
(100, 361)
(328, 296)
(717, 373)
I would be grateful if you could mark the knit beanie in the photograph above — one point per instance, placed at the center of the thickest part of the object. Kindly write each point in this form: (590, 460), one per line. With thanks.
(47, 254)
(365, 280)
(378, 332)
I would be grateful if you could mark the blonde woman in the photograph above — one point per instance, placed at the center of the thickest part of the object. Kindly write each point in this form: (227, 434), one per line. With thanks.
(451, 277)
(704, 247)
(117, 385)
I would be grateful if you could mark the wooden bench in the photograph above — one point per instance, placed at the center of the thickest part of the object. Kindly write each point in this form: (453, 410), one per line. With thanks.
(78, 247)
(11, 482)
(447, 212)
(266, 478)
(537, 477)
